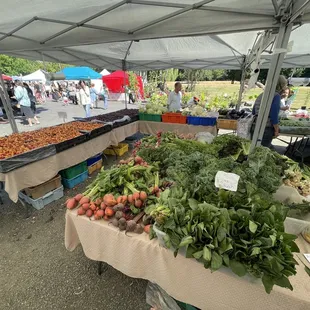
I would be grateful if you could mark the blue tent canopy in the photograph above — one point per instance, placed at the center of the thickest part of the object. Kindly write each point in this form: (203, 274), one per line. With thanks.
(80, 73)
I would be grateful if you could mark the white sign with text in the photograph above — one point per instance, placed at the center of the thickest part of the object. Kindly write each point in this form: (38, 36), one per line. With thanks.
(228, 181)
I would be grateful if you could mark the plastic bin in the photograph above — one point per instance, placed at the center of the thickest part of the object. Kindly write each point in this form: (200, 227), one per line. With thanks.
(73, 171)
(94, 159)
(150, 117)
(41, 202)
(39, 191)
(176, 118)
(94, 167)
(227, 124)
(70, 183)
(119, 150)
(201, 121)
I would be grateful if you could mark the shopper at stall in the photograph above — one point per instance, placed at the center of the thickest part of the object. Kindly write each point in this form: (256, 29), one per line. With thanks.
(104, 92)
(22, 97)
(93, 96)
(272, 125)
(175, 98)
(83, 97)
(31, 97)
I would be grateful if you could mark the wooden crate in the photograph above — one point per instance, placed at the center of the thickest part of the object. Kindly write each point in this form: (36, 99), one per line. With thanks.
(227, 124)
(39, 191)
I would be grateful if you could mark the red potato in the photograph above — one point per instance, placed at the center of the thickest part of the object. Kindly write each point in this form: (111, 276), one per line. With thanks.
(130, 199)
(81, 211)
(109, 200)
(78, 197)
(138, 203)
(71, 203)
(85, 206)
(119, 199)
(103, 206)
(143, 196)
(98, 201)
(109, 211)
(138, 160)
(100, 213)
(136, 196)
(89, 213)
(147, 228)
(85, 199)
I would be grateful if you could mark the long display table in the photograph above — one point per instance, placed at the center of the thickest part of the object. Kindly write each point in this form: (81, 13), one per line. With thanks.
(43, 170)
(182, 278)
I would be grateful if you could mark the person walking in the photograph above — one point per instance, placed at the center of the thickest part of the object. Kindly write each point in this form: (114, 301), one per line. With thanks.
(83, 97)
(94, 96)
(104, 92)
(31, 97)
(22, 97)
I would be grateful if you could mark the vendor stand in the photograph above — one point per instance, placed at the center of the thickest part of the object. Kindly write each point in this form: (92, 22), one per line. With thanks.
(182, 278)
(32, 174)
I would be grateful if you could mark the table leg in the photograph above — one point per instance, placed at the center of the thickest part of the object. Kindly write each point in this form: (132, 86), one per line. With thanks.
(102, 267)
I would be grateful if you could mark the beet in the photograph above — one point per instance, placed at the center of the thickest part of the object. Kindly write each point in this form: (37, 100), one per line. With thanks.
(115, 222)
(131, 226)
(118, 215)
(139, 229)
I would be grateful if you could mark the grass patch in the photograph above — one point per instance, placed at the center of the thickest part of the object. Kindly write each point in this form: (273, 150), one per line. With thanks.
(214, 88)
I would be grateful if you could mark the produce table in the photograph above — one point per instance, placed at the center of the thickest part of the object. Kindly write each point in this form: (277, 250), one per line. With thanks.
(182, 278)
(41, 171)
(152, 128)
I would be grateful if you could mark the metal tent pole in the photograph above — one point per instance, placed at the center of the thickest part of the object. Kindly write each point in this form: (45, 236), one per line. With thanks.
(272, 78)
(242, 82)
(7, 105)
(124, 69)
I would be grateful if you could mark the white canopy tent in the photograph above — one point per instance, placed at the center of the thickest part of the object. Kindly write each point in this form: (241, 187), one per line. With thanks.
(35, 76)
(121, 27)
(104, 72)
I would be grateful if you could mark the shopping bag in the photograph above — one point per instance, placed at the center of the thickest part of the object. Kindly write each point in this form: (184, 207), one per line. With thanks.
(244, 126)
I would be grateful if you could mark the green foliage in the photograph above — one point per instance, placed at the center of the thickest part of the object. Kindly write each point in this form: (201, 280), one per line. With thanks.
(17, 66)
(133, 82)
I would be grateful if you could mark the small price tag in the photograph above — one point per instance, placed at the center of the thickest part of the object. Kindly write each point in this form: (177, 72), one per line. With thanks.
(228, 181)
(307, 256)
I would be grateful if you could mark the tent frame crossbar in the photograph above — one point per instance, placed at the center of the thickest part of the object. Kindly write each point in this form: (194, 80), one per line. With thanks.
(171, 15)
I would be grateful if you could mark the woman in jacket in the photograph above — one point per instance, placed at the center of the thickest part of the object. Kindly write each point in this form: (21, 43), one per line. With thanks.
(22, 97)
(83, 97)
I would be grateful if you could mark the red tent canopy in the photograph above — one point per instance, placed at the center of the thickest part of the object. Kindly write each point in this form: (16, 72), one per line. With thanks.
(6, 77)
(115, 82)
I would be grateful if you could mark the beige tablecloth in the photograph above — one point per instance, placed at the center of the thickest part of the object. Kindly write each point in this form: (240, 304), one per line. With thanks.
(153, 127)
(41, 171)
(182, 278)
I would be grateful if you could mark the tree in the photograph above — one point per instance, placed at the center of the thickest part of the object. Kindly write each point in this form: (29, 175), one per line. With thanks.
(233, 75)
(18, 66)
(192, 76)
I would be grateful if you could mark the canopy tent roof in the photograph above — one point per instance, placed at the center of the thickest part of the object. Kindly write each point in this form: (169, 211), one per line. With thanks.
(35, 76)
(102, 33)
(80, 73)
(6, 77)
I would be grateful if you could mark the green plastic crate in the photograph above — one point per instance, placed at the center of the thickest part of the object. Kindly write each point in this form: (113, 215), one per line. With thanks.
(150, 117)
(184, 306)
(74, 171)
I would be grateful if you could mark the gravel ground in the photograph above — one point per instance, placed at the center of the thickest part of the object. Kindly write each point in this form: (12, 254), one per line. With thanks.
(37, 272)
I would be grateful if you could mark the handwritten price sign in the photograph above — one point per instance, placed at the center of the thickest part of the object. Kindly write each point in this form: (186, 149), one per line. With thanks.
(228, 181)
